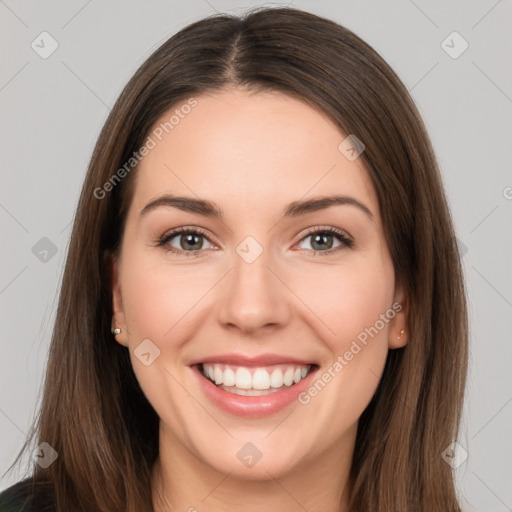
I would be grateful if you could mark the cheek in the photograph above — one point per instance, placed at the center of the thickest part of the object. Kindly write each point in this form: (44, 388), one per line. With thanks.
(352, 311)
(346, 299)
(157, 303)
(159, 297)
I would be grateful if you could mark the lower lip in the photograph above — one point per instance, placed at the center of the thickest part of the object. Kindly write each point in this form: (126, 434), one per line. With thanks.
(253, 406)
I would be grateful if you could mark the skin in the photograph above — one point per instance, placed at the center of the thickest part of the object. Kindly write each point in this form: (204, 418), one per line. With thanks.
(253, 154)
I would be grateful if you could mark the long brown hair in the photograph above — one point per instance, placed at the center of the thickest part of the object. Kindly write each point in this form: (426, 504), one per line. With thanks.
(93, 412)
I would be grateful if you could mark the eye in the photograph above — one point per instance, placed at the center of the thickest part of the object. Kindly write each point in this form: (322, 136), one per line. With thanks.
(190, 241)
(322, 239)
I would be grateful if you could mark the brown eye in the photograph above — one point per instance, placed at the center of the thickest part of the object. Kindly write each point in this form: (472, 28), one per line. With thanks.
(323, 240)
(184, 241)
(190, 241)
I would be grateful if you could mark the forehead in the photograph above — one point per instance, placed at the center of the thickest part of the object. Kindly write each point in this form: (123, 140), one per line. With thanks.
(264, 149)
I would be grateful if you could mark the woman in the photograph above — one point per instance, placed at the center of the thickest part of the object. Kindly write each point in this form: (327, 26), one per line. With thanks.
(308, 349)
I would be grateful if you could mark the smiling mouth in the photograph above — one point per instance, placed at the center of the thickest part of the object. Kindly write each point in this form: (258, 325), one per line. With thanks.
(254, 381)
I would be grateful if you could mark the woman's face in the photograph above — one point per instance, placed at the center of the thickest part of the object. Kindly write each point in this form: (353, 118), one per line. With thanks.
(252, 295)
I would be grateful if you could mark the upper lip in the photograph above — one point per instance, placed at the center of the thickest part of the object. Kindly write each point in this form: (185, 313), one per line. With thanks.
(243, 360)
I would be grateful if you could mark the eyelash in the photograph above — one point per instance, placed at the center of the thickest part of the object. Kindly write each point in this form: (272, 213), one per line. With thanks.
(344, 239)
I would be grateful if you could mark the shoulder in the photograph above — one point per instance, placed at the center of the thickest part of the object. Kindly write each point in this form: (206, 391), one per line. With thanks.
(18, 498)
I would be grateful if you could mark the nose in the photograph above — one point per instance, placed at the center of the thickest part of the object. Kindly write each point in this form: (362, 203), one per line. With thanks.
(254, 297)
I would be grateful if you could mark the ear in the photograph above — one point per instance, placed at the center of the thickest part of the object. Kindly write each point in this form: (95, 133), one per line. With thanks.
(118, 318)
(398, 333)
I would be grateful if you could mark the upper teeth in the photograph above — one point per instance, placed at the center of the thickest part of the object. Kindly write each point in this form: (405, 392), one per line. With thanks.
(255, 378)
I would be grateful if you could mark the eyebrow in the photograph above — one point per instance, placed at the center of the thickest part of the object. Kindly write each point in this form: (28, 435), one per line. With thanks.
(294, 209)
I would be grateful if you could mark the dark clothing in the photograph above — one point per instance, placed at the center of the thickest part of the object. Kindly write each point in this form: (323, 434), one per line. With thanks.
(18, 498)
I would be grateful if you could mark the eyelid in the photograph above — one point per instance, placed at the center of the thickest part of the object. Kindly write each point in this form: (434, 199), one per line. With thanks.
(324, 228)
(346, 240)
(169, 235)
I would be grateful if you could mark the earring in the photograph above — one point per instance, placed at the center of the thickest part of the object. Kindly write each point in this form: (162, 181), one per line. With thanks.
(116, 331)
(401, 332)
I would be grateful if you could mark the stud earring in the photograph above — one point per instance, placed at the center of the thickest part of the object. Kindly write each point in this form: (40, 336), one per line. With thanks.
(401, 332)
(116, 331)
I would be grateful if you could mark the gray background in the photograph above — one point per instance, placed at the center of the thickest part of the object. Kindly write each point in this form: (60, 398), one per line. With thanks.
(52, 110)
